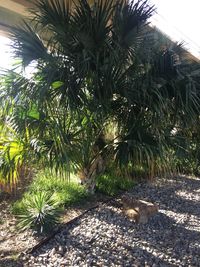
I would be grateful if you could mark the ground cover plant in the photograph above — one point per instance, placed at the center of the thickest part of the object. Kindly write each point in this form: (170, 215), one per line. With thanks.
(110, 184)
(43, 202)
(104, 92)
(41, 206)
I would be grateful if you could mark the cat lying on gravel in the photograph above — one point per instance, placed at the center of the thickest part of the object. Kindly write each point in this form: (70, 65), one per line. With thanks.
(138, 210)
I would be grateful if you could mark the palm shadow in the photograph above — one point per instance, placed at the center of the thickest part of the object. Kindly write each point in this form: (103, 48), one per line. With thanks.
(163, 233)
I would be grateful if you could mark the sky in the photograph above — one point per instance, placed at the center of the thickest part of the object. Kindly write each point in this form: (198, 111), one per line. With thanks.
(179, 19)
(5, 54)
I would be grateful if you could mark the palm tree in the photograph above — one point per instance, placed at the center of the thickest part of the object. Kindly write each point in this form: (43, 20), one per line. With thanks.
(96, 64)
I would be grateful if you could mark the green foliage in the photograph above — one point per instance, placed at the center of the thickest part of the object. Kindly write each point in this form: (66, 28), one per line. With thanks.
(41, 205)
(39, 211)
(18, 206)
(13, 151)
(111, 184)
(187, 165)
(97, 65)
(186, 158)
(66, 192)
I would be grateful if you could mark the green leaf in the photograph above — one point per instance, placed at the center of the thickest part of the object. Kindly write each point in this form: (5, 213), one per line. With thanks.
(34, 114)
(57, 84)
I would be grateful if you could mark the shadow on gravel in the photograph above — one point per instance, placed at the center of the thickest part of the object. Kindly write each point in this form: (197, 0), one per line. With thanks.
(172, 201)
(166, 234)
(110, 251)
(161, 234)
(164, 241)
(10, 263)
(185, 206)
(159, 223)
(187, 180)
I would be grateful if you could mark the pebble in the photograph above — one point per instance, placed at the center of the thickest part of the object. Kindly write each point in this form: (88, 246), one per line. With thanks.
(104, 237)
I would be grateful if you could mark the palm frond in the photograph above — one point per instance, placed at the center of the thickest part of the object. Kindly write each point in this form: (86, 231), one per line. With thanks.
(27, 44)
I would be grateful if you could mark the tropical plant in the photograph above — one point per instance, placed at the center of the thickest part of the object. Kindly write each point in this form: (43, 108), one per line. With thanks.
(98, 65)
(39, 211)
(12, 157)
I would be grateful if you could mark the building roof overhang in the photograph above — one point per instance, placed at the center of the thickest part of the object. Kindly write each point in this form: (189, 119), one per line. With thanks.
(12, 12)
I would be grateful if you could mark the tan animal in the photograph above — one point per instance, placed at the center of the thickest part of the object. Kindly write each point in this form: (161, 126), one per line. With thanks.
(138, 210)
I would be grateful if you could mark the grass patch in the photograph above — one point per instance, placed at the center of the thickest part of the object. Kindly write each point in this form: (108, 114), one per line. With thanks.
(110, 184)
(40, 206)
(65, 192)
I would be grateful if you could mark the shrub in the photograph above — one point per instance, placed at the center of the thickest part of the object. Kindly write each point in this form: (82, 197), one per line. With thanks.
(39, 211)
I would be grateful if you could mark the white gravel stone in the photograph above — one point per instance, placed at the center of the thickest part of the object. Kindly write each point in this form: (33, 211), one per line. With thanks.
(104, 237)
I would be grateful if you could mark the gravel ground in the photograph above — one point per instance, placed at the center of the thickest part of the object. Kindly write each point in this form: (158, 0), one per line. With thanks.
(104, 237)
